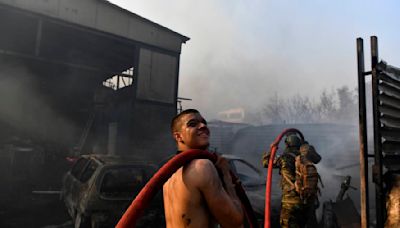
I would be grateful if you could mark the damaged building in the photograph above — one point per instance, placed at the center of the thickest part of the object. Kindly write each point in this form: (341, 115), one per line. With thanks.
(82, 77)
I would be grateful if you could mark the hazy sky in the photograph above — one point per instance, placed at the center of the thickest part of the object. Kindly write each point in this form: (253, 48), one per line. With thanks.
(242, 52)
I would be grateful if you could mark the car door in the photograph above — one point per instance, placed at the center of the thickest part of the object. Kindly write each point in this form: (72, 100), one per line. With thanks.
(249, 175)
(71, 185)
(84, 188)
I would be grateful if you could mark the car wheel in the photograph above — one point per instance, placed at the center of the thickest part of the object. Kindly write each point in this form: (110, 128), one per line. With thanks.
(81, 221)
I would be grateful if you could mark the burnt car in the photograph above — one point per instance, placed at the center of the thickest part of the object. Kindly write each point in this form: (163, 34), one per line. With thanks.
(99, 188)
(253, 182)
(248, 174)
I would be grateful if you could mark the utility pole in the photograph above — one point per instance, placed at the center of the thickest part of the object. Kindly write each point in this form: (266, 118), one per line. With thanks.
(179, 102)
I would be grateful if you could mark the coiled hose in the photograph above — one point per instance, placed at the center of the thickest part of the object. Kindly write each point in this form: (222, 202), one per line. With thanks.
(142, 200)
(273, 149)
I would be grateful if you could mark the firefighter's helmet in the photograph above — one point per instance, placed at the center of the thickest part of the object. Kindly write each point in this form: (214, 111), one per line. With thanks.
(293, 140)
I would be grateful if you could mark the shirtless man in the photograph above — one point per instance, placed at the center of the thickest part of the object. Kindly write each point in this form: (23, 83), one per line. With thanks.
(195, 196)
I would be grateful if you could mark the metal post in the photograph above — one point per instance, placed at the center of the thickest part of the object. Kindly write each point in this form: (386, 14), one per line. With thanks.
(377, 169)
(363, 136)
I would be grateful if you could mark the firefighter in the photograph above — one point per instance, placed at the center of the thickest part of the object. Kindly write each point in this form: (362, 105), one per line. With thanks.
(294, 212)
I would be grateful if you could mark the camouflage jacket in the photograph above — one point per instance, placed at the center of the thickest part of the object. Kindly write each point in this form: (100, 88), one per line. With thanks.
(287, 169)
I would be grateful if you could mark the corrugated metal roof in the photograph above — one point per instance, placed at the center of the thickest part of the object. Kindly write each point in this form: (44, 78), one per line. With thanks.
(103, 16)
(184, 38)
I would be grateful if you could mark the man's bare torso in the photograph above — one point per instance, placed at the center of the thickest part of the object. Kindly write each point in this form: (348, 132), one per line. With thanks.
(183, 202)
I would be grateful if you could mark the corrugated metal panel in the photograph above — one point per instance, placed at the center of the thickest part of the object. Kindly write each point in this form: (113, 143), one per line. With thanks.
(389, 100)
(390, 133)
(389, 80)
(390, 121)
(107, 17)
(391, 147)
(389, 70)
(157, 76)
(389, 90)
(387, 110)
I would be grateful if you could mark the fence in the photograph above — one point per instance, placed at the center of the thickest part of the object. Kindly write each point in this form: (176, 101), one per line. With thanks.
(386, 124)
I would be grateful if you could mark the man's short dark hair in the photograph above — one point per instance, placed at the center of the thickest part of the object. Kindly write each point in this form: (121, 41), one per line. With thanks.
(175, 121)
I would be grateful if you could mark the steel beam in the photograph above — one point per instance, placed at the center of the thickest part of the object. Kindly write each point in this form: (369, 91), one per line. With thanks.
(363, 136)
(378, 175)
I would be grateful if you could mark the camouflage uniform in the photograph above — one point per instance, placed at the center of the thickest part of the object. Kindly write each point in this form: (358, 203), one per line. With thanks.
(293, 211)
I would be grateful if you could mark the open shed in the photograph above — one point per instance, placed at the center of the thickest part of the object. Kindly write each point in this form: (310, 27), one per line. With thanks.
(88, 75)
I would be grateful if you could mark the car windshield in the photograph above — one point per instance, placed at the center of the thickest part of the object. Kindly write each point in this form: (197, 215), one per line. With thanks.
(90, 168)
(122, 182)
(78, 167)
(247, 174)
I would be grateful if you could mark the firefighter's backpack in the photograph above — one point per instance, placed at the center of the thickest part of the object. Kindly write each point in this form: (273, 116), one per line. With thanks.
(307, 177)
(310, 153)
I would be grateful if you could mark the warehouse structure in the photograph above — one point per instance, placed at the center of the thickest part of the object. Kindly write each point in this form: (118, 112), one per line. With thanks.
(80, 77)
(89, 74)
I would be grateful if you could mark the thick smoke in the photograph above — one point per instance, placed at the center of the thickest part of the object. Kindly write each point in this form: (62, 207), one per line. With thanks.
(26, 111)
(336, 143)
(241, 54)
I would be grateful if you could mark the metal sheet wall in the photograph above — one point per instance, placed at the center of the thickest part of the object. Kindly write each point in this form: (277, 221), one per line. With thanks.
(106, 17)
(150, 131)
(157, 76)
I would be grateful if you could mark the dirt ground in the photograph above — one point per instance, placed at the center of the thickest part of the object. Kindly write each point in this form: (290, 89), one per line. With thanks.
(45, 211)
(34, 211)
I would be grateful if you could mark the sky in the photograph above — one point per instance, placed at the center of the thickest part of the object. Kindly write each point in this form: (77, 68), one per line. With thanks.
(241, 53)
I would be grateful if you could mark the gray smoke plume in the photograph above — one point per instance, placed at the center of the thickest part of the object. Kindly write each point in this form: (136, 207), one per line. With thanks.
(241, 53)
(26, 110)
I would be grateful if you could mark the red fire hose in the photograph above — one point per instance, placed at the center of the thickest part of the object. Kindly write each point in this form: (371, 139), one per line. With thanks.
(142, 200)
(273, 149)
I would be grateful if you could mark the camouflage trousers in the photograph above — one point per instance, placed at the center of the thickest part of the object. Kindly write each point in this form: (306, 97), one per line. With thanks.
(297, 216)
(292, 216)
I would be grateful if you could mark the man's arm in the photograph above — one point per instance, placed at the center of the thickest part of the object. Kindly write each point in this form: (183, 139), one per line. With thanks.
(265, 159)
(266, 156)
(223, 203)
